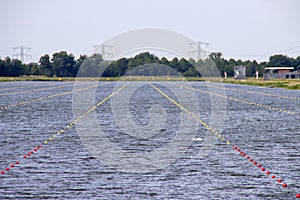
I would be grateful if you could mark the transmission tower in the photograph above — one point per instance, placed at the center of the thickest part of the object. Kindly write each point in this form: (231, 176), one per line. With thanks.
(103, 48)
(198, 49)
(22, 53)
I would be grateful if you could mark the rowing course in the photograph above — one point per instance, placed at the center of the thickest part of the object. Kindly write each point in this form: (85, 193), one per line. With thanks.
(66, 170)
(37, 90)
(264, 91)
(19, 85)
(279, 100)
(21, 97)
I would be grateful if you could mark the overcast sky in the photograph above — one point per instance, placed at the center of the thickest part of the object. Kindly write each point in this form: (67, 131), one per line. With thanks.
(252, 29)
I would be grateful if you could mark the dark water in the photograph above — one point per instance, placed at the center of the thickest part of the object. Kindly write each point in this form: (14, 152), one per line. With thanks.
(65, 169)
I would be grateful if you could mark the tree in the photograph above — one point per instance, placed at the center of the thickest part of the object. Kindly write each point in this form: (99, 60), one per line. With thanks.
(92, 66)
(282, 60)
(216, 57)
(261, 67)
(46, 66)
(192, 71)
(12, 67)
(251, 68)
(141, 59)
(229, 69)
(79, 62)
(164, 61)
(2, 66)
(175, 64)
(298, 63)
(184, 65)
(7, 67)
(17, 68)
(116, 68)
(33, 69)
(64, 64)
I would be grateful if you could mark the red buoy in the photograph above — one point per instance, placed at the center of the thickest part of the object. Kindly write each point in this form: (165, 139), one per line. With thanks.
(263, 169)
(273, 176)
(258, 165)
(7, 169)
(12, 165)
(254, 162)
(247, 157)
(24, 156)
(28, 154)
(243, 154)
(2, 172)
(251, 160)
(279, 180)
(35, 149)
(297, 195)
(17, 162)
(284, 185)
(268, 172)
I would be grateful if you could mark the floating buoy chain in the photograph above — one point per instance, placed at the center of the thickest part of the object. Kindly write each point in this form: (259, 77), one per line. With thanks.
(238, 100)
(36, 149)
(47, 97)
(250, 159)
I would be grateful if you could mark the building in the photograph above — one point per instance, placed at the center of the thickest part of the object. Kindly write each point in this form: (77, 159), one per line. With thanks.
(281, 73)
(239, 72)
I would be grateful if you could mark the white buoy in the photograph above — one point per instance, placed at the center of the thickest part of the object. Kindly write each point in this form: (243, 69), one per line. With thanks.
(197, 139)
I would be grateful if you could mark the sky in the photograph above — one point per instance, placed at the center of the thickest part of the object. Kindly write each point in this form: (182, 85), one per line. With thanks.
(253, 29)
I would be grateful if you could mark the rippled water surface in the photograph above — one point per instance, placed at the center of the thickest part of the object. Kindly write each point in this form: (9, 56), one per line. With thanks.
(65, 169)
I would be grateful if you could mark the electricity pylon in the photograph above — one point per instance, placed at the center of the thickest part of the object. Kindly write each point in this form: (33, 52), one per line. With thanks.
(22, 53)
(103, 50)
(199, 49)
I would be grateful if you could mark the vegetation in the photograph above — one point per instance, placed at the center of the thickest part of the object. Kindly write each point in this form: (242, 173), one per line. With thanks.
(62, 64)
(279, 83)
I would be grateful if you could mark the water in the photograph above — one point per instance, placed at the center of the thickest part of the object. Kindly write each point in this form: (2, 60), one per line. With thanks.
(65, 169)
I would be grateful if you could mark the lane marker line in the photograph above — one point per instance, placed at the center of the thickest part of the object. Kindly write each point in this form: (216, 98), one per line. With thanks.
(40, 89)
(47, 97)
(238, 100)
(47, 141)
(13, 87)
(254, 92)
(223, 139)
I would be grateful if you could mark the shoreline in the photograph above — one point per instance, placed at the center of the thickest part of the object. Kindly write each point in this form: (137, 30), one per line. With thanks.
(293, 84)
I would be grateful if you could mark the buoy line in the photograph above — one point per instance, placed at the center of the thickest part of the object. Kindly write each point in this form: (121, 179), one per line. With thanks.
(254, 92)
(47, 97)
(55, 136)
(40, 89)
(238, 100)
(10, 87)
(223, 139)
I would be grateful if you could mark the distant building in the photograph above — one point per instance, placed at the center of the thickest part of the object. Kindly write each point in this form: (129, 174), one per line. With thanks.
(281, 73)
(239, 72)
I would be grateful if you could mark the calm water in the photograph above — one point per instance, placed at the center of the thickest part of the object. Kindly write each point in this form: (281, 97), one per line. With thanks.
(65, 169)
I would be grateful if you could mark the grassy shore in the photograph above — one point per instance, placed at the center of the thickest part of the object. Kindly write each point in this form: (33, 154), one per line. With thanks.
(123, 78)
(278, 83)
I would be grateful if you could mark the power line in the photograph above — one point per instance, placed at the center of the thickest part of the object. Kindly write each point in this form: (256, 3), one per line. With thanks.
(103, 50)
(198, 49)
(288, 50)
(22, 53)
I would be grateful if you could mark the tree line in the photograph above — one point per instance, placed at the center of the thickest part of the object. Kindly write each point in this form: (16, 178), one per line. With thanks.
(63, 64)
